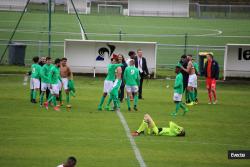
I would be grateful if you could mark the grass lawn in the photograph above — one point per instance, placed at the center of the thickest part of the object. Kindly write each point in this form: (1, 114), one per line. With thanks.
(32, 136)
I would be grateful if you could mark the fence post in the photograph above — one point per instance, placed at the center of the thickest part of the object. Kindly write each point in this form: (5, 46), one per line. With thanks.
(39, 48)
(198, 10)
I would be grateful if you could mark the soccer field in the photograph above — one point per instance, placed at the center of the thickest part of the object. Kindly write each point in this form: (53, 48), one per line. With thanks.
(33, 136)
(208, 32)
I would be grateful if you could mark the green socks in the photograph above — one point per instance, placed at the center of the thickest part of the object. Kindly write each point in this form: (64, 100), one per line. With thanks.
(54, 100)
(195, 94)
(60, 96)
(67, 98)
(128, 102)
(31, 94)
(135, 100)
(102, 101)
(177, 107)
(34, 94)
(142, 127)
(41, 98)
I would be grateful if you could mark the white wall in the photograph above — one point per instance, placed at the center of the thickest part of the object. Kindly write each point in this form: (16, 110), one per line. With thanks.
(82, 54)
(235, 63)
(163, 8)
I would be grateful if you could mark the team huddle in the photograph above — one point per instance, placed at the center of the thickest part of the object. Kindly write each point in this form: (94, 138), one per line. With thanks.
(49, 79)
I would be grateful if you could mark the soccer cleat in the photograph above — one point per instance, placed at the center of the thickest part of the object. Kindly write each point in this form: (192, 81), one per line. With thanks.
(68, 106)
(215, 102)
(129, 109)
(135, 134)
(190, 104)
(209, 103)
(57, 108)
(99, 108)
(174, 114)
(33, 101)
(135, 108)
(106, 108)
(46, 105)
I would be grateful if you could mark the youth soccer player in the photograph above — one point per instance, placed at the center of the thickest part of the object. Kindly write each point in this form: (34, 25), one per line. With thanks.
(34, 81)
(178, 91)
(45, 70)
(66, 75)
(132, 81)
(211, 74)
(54, 80)
(192, 80)
(148, 127)
(109, 81)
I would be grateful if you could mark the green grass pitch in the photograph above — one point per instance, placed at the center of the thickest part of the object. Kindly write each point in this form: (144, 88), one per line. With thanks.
(32, 136)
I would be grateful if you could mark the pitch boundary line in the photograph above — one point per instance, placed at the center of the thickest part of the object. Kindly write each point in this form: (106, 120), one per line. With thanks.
(131, 139)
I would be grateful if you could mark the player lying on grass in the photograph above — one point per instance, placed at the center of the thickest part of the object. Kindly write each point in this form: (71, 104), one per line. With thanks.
(66, 75)
(148, 127)
(45, 70)
(54, 80)
(178, 91)
(132, 81)
(34, 81)
(71, 162)
(109, 81)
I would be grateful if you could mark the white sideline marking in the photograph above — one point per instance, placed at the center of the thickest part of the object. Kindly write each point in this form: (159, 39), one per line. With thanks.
(131, 139)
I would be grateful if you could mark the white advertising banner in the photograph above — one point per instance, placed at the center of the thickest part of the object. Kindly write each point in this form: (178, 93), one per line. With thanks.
(93, 56)
(237, 61)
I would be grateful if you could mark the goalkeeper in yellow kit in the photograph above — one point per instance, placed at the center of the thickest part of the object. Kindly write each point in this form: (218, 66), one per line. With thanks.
(148, 127)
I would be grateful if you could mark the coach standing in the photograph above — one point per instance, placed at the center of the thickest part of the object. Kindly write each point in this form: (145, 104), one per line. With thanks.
(141, 64)
(211, 74)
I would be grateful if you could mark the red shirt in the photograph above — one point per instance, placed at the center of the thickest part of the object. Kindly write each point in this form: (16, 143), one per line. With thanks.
(209, 64)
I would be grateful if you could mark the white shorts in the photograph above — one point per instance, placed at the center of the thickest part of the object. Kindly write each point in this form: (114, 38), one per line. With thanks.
(132, 89)
(59, 85)
(44, 86)
(192, 81)
(65, 82)
(177, 97)
(108, 86)
(34, 83)
(55, 89)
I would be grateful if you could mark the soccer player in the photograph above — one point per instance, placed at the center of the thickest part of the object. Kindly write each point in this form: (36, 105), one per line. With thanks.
(184, 62)
(71, 162)
(66, 75)
(132, 81)
(34, 81)
(192, 80)
(211, 74)
(148, 127)
(121, 60)
(197, 72)
(54, 79)
(45, 70)
(178, 91)
(109, 82)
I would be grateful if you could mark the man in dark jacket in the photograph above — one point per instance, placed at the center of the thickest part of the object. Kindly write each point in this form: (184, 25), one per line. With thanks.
(211, 74)
(184, 62)
(141, 64)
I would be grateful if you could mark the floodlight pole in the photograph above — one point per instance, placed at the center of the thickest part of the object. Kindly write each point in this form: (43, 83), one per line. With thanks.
(185, 46)
(49, 32)
(78, 18)
(13, 33)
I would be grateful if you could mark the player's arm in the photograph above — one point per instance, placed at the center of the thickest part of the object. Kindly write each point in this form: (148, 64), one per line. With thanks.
(70, 74)
(188, 68)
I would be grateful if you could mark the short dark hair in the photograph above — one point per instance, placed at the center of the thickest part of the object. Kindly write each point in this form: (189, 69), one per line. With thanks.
(131, 53)
(35, 59)
(190, 55)
(57, 60)
(64, 58)
(73, 159)
(48, 58)
(184, 56)
(209, 54)
(182, 133)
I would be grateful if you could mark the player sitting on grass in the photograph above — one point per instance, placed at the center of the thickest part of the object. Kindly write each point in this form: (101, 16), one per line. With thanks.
(132, 81)
(109, 81)
(178, 91)
(54, 78)
(34, 81)
(148, 127)
(45, 70)
(71, 162)
(66, 75)
(192, 80)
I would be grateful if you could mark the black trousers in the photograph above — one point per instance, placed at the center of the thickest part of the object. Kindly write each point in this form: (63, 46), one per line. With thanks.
(121, 92)
(141, 83)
